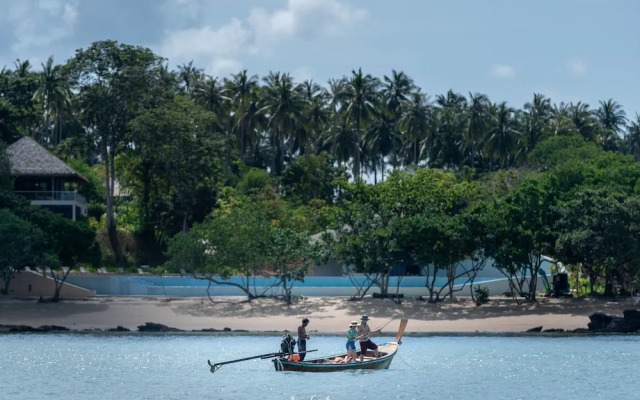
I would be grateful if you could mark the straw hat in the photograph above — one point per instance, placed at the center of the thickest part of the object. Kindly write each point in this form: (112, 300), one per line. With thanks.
(353, 323)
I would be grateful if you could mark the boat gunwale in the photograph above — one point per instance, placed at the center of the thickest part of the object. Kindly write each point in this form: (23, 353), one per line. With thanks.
(311, 363)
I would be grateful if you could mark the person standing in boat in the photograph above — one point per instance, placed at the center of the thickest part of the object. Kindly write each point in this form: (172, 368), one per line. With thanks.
(302, 338)
(352, 336)
(364, 334)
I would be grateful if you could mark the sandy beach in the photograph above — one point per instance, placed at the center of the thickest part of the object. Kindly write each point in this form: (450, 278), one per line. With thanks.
(327, 314)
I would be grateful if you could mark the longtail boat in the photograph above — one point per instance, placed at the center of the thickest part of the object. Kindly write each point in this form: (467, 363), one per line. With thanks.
(334, 363)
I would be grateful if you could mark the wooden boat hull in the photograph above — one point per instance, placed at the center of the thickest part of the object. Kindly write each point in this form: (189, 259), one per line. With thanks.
(327, 364)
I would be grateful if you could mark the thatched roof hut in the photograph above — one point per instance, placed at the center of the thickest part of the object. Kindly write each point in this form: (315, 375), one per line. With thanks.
(29, 159)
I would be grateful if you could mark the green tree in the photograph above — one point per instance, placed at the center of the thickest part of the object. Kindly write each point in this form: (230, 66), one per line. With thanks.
(538, 115)
(21, 244)
(415, 121)
(112, 81)
(54, 97)
(478, 123)
(183, 157)
(504, 135)
(395, 90)
(311, 177)
(6, 179)
(283, 107)
(359, 96)
(289, 254)
(523, 233)
(595, 232)
(230, 243)
(613, 119)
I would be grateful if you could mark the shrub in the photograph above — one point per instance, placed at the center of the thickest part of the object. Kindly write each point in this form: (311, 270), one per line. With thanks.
(481, 295)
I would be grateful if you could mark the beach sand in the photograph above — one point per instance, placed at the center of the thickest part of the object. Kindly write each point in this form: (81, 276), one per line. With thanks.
(327, 314)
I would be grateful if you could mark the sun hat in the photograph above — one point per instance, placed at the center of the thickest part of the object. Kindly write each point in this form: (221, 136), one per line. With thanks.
(353, 323)
(364, 318)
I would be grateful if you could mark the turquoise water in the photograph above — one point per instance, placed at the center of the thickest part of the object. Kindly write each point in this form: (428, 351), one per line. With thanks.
(178, 286)
(68, 366)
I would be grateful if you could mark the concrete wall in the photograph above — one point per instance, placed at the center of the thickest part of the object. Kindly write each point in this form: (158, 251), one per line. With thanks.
(25, 283)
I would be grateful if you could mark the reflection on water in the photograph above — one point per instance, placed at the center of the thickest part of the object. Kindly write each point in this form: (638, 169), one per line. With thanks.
(175, 367)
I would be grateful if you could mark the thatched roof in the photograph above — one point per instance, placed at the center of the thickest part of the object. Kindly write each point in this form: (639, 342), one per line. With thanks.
(28, 158)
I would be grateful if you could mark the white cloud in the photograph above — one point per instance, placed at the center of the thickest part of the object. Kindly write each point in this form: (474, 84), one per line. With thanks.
(39, 23)
(206, 41)
(577, 67)
(225, 66)
(503, 71)
(258, 34)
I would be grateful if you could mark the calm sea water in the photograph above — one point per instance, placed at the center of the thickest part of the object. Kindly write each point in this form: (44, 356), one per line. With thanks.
(107, 367)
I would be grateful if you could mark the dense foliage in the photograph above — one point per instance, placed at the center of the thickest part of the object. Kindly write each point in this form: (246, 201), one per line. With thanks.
(227, 176)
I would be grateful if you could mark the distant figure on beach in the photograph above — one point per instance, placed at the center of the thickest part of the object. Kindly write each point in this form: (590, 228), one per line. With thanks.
(302, 338)
(352, 336)
(364, 334)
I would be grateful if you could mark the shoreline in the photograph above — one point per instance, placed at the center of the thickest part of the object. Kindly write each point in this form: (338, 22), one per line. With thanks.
(328, 315)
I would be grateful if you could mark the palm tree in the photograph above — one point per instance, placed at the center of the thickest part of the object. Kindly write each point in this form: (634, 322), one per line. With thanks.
(583, 121)
(360, 93)
(22, 68)
(378, 141)
(343, 141)
(417, 114)
(211, 94)
(395, 90)
(539, 112)
(243, 92)
(633, 138)
(54, 96)
(560, 122)
(503, 139)
(282, 105)
(613, 120)
(189, 75)
(315, 116)
(478, 120)
(450, 119)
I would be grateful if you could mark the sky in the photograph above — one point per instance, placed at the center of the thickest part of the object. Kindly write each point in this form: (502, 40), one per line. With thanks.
(568, 50)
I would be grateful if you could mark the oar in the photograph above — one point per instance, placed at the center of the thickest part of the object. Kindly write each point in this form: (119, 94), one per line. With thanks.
(379, 330)
(216, 366)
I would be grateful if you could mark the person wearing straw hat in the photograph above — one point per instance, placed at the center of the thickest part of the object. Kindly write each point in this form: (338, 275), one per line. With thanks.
(364, 335)
(352, 335)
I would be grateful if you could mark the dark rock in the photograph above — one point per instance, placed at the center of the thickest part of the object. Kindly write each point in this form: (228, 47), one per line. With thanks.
(618, 324)
(207, 330)
(226, 329)
(119, 328)
(580, 330)
(23, 328)
(553, 330)
(632, 318)
(53, 328)
(599, 321)
(153, 327)
(536, 329)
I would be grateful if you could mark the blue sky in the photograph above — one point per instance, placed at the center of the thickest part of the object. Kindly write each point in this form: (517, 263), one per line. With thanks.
(569, 50)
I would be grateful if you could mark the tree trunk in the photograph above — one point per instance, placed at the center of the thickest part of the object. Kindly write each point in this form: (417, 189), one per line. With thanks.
(608, 285)
(112, 230)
